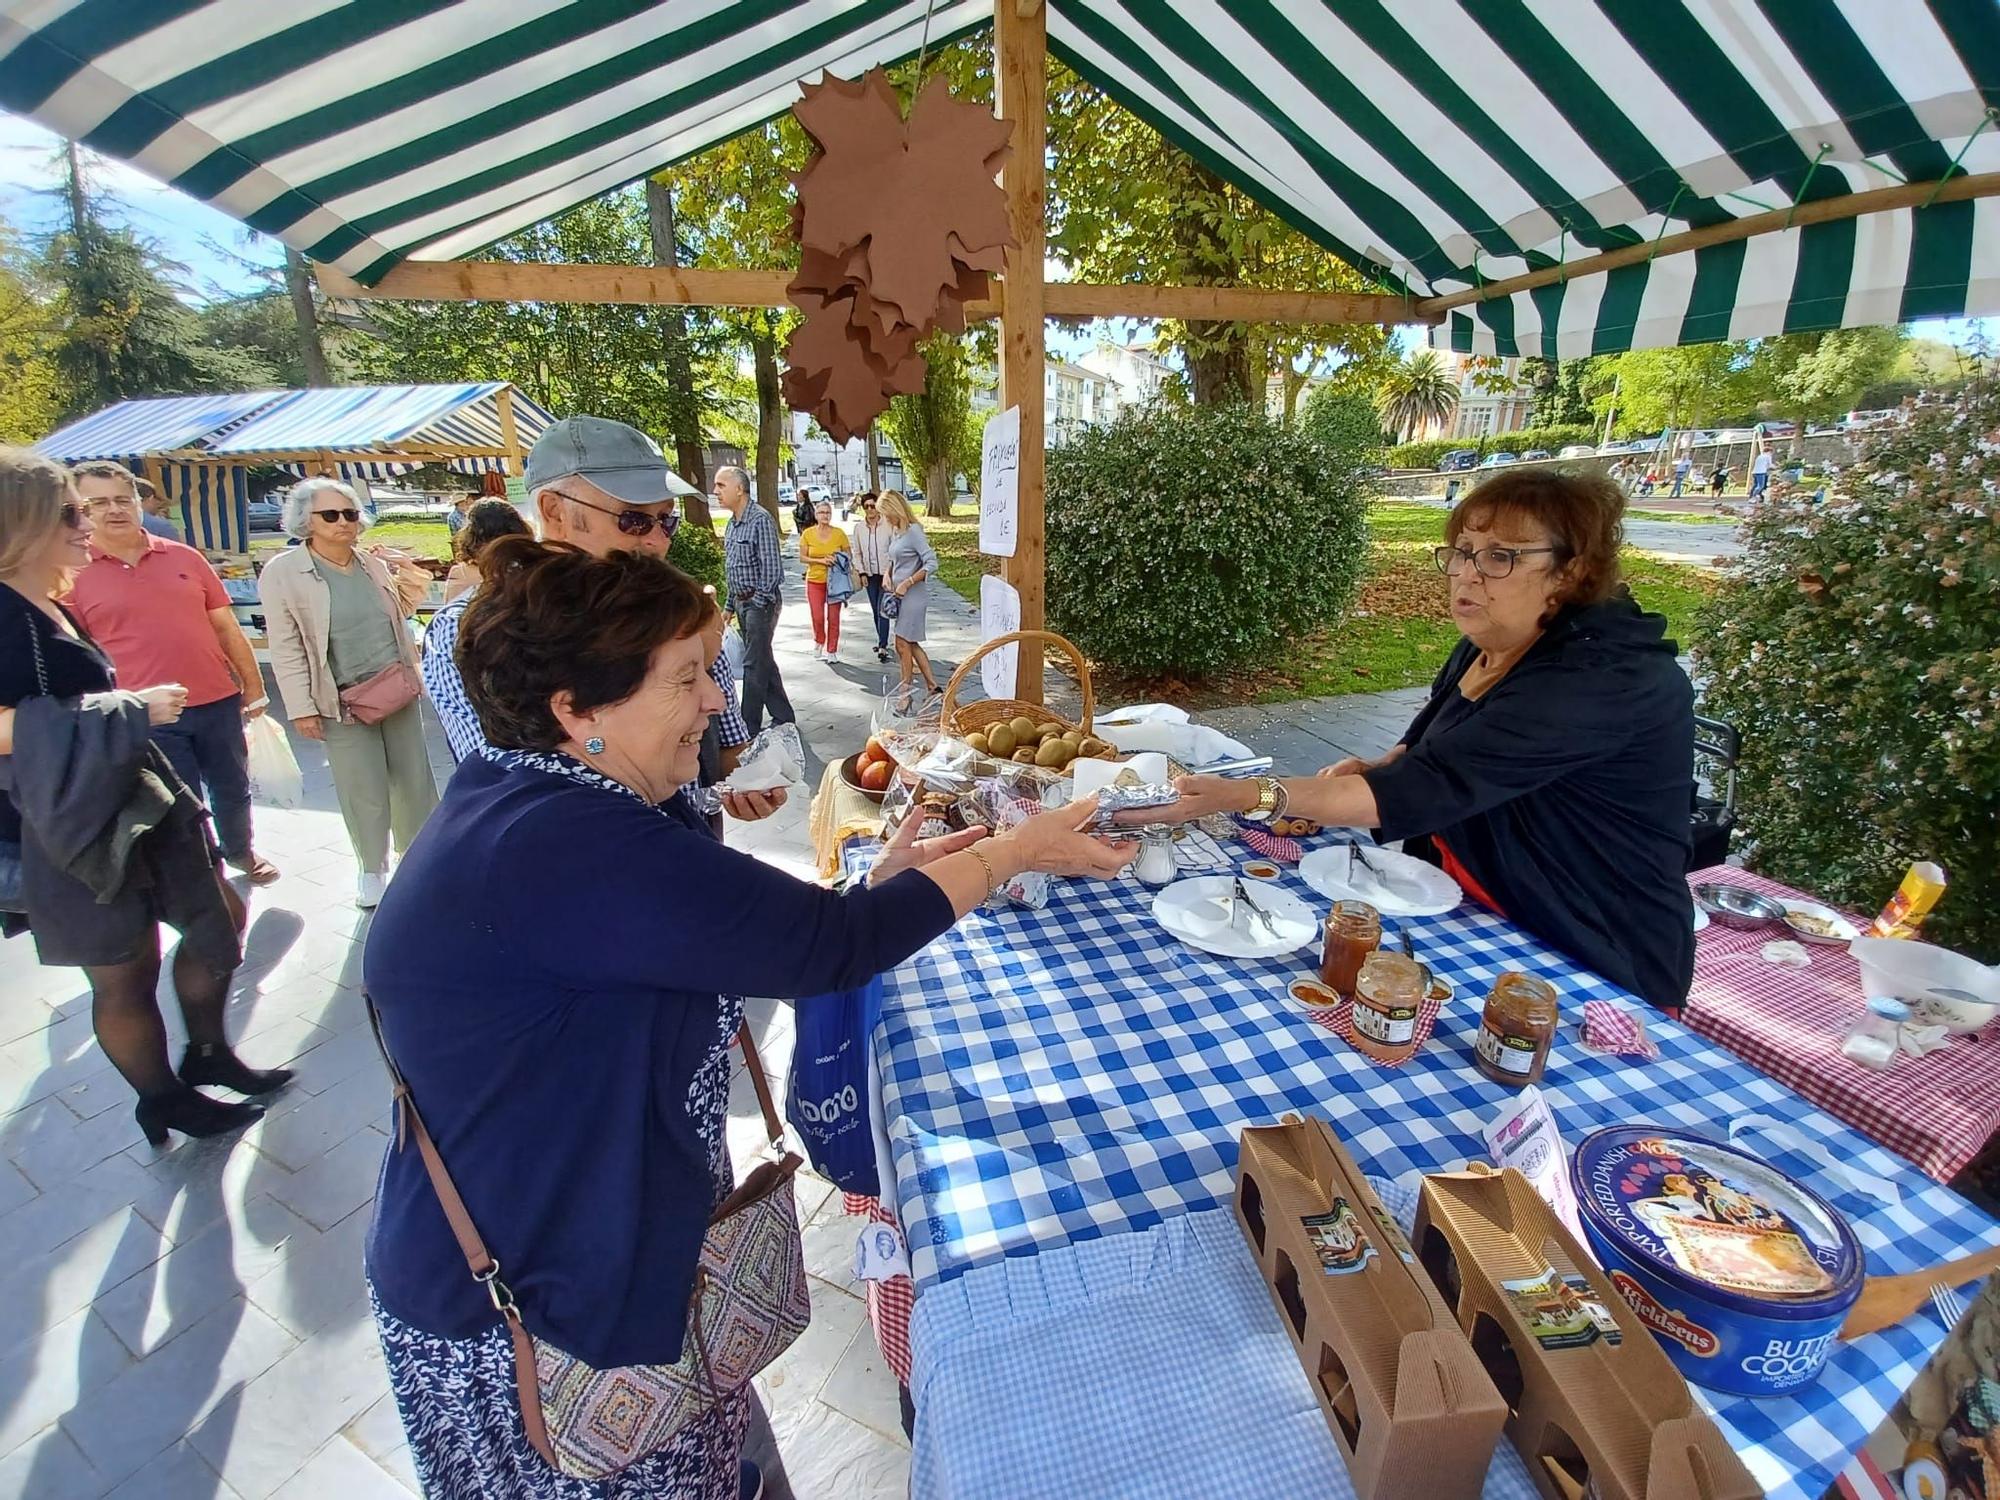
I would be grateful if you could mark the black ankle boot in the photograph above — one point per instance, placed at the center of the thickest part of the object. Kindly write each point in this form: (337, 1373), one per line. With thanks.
(213, 1063)
(191, 1114)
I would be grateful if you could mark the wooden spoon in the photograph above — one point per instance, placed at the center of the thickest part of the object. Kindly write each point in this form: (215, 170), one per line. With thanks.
(1887, 1300)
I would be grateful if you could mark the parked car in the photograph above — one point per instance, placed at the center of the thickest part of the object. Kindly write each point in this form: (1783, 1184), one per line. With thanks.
(266, 513)
(1535, 455)
(1578, 450)
(1499, 460)
(1459, 458)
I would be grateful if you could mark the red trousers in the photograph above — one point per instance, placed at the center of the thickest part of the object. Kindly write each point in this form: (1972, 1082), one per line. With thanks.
(825, 617)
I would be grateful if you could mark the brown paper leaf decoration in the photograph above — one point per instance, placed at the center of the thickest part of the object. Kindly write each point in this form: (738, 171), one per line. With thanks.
(899, 222)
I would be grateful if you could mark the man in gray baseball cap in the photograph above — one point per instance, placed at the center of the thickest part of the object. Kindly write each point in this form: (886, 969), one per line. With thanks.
(604, 486)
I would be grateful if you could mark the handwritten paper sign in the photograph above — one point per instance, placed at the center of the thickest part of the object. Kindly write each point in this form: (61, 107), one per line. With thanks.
(999, 614)
(1000, 484)
(517, 489)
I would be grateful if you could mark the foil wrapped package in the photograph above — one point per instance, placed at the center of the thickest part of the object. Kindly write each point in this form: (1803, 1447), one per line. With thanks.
(1127, 797)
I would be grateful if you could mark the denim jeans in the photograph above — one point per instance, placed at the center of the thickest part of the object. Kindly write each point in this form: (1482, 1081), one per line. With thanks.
(763, 688)
(207, 748)
(874, 581)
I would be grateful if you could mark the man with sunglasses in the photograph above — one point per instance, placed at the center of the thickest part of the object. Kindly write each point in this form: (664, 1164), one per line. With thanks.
(756, 571)
(603, 487)
(159, 612)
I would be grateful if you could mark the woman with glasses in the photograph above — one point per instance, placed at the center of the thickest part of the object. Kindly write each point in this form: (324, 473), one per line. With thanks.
(100, 841)
(347, 669)
(872, 536)
(819, 544)
(1551, 772)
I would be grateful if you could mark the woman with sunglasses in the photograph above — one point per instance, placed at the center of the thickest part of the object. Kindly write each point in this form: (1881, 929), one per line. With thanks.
(100, 841)
(1551, 772)
(347, 669)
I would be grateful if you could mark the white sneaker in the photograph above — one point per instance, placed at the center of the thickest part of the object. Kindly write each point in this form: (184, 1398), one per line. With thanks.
(368, 889)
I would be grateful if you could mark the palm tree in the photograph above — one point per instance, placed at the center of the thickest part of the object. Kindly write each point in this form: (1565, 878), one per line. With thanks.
(1415, 391)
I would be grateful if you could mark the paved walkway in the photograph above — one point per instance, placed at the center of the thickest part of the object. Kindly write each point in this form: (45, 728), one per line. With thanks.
(190, 1322)
(1671, 541)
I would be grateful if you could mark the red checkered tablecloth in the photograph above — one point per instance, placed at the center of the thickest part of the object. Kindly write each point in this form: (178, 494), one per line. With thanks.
(1937, 1110)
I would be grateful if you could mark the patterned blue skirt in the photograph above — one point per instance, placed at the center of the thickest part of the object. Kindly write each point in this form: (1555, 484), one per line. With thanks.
(459, 1407)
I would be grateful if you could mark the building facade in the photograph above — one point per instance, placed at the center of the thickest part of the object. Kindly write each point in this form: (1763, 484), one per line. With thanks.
(1491, 397)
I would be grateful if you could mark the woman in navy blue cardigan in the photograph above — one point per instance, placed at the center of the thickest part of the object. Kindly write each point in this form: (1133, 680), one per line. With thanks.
(556, 966)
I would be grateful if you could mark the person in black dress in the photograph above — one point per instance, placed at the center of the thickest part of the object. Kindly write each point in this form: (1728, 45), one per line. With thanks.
(171, 872)
(1552, 771)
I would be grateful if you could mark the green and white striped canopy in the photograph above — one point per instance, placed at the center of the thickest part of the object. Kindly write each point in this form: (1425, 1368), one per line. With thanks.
(1436, 144)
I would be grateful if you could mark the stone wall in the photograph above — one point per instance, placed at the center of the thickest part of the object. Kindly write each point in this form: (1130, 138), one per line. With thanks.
(1825, 448)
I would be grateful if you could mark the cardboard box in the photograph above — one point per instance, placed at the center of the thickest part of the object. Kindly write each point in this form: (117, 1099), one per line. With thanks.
(1595, 1407)
(1410, 1408)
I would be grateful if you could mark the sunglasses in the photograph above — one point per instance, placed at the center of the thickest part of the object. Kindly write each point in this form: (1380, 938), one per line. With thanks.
(632, 522)
(330, 516)
(72, 515)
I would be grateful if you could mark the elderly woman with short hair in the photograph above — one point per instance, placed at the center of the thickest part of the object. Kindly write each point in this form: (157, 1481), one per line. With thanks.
(1551, 772)
(555, 969)
(346, 667)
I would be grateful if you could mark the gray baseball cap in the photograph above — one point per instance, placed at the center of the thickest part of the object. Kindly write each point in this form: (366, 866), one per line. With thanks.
(620, 460)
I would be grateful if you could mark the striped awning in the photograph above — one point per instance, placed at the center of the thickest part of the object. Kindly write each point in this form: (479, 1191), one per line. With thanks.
(134, 428)
(348, 423)
(1435, 144)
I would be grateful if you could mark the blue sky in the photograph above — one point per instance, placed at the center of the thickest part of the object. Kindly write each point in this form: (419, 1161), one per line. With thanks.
(214, 246)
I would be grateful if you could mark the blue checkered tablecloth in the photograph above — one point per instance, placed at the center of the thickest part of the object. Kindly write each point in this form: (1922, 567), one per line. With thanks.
(1053, 1076)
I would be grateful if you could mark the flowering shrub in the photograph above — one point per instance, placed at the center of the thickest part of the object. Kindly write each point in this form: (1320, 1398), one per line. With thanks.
(1859, 653)
(1195, 539)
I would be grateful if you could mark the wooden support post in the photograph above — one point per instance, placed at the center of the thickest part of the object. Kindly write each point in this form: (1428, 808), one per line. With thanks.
(510, 436)
(1020, 41)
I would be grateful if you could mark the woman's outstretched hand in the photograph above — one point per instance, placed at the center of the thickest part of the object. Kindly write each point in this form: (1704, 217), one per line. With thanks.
(1055, 842)
(905, 851)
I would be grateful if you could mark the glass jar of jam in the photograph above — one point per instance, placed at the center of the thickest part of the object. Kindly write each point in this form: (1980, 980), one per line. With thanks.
(1353, 931)
(1516, 1030)
(1387, 994)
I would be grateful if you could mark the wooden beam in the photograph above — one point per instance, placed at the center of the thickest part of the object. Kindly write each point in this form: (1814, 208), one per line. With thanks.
(1777, 220)
(1020, 45)
(470, 280)
(1237, 304)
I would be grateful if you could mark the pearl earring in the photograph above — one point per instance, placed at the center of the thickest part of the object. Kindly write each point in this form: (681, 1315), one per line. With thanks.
(594, 745)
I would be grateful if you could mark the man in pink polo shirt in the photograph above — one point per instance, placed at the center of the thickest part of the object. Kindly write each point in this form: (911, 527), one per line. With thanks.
(159, 612)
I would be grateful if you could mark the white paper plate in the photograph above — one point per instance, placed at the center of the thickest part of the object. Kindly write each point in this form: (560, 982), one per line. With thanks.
(1197, 912)
(1415, 889)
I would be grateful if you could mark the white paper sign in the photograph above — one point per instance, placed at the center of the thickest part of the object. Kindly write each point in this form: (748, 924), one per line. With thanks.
(1000, 483)
(999, 613)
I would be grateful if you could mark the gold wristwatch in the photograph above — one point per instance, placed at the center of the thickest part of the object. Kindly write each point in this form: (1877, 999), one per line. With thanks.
(1271, 800)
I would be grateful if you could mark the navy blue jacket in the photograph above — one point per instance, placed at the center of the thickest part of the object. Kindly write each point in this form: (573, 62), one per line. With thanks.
(548, 964)
(1565, 792)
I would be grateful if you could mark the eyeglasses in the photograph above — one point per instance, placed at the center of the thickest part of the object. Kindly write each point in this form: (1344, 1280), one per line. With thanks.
(111, 500)
(1492, 562)
(632, 522)
(330, 516)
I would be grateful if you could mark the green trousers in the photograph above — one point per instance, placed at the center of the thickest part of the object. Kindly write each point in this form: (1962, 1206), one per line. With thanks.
(382, 773)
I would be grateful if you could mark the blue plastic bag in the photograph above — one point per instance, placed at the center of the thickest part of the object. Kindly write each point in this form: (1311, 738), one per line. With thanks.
(827, 1096)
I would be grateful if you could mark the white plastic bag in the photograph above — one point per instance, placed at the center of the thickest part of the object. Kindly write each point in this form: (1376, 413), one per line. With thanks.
(775, 758)
(275, 777)
(732, 650)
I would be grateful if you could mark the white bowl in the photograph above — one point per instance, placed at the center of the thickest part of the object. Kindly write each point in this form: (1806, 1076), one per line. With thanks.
(1935, 977)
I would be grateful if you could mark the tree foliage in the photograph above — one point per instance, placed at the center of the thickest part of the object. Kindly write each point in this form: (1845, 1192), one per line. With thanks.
(1249, 535)
(1819, 377)
(30, 389)
(574, 358)
(1563, 388)
(1858, 651)
(1696, 385)
(1414, 391)
(934, 430)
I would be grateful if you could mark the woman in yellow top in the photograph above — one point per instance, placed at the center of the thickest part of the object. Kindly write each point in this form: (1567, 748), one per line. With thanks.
(819, 543)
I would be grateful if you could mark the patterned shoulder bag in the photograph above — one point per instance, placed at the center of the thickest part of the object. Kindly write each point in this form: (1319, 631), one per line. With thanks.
(748, 1304)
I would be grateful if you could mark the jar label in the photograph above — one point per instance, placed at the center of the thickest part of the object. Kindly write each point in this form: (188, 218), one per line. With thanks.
(1510, 1054)
(1391, 1027)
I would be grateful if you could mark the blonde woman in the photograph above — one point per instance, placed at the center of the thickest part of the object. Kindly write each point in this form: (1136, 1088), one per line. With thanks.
(100, 840)
(347, 669)
(911, 563)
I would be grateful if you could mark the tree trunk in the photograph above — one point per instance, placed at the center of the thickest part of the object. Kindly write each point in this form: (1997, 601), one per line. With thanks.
(937, 490)
(1220, 365)
(1294, 383)
(311, 351)
(770, 416)
(874, 458)
(79, 210)
(683, 410)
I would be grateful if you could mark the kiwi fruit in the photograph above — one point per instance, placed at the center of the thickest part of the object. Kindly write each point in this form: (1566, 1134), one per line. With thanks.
(1024, 757)
(1091, 745)
(1073, 736)
(1055, 754)
(977, 742)
(1001, 740)
(1025, 732)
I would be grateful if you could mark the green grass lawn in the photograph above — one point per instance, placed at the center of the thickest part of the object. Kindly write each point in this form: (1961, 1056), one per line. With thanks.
(418, 538)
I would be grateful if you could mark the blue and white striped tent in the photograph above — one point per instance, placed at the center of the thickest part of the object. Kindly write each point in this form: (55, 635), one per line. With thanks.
(200, 449)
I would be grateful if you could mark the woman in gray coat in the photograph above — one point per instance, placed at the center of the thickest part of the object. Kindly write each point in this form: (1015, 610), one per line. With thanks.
(911, 563)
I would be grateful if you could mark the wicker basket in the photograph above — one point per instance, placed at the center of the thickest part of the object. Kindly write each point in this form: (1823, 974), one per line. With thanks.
(987, 712)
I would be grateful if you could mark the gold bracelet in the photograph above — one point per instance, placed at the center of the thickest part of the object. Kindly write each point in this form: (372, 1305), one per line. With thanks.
(979, 854)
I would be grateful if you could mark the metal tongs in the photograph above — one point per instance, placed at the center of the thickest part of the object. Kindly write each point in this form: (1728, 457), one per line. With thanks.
(1242, 893)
